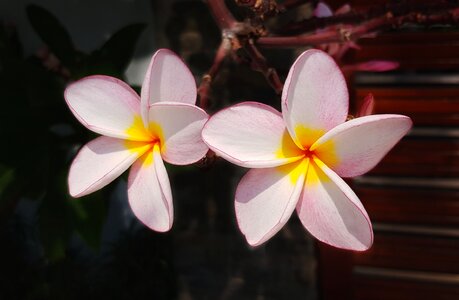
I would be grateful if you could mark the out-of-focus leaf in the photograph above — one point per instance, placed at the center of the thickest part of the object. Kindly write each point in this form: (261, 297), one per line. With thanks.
(10, 47)
(53, 33)
(55, 225)
(89, 216)
(6, 177)
(55, 218)
(118, 50)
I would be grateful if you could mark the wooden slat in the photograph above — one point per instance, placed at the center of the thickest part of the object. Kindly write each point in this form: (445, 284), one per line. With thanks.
(392, 287)
(412, 252)
(427, 50)
(428, 157)
(417, 205)
(426, 106)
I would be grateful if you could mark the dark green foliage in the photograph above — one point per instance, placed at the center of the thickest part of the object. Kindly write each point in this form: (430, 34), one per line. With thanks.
(53, 34)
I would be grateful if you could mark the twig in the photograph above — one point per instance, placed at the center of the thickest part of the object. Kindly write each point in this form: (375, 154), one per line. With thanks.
(204, 87)
(221, 14)
(353, 17)
(259, 63)
(348, 33)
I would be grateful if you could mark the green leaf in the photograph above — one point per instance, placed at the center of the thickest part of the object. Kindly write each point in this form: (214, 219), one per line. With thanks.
(118, 50)
(53, 33)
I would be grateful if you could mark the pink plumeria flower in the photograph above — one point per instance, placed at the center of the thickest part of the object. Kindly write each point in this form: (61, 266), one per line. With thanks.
(163, 123)
(299, 156)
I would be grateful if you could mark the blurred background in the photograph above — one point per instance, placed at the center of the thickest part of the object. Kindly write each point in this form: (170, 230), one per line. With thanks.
(56, 247)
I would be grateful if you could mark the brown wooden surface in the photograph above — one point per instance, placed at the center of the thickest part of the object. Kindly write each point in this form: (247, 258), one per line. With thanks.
(422, 50)
(410, 205)
(417, 157)
(415, 225)
(375, 288)
(426, 106)
(412, 252)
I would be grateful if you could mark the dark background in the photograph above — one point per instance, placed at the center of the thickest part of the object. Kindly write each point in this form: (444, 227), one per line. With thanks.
(56, 247)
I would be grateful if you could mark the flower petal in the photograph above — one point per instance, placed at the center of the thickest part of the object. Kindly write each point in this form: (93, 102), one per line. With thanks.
(315, 97)
(167, 79)
(355, 147)
(265, 199)
(322, 10)
(100, 161)
(178, 126)
(367, 107)
(107, 106)
(331, 211)
(149, 192)
(251, 135)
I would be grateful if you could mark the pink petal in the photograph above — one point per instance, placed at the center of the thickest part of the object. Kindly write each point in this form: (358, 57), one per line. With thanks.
(105, 105)
(315, 95)
(265, 199)
(252, 135)
(374, 66)
(359, 144)
(367, 106)
(179, 127)
(343, 9)
(167, 79)
(331, 211)
(100, 161)
(149, 192)
(322, 10)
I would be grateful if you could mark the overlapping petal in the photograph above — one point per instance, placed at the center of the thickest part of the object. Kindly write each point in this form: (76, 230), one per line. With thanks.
(251, 135)
(167, 79)
(359, 144)
(315, 97)
(107, 106)
(266, 198)
(178, 126)
(149, 192)
(331, 211)
(100, 161)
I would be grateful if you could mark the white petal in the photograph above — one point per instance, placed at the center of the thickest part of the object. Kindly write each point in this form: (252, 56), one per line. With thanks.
(101, 161)
(251, 135)
(315, 97)
(265, 199)
(107, 106)
(167, 79)
(355, 147)
(178, 127)
(149, 192)
(331, 211)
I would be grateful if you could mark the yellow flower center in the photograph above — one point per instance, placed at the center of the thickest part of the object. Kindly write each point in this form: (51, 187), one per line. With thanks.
(141, 140)
(312, 156)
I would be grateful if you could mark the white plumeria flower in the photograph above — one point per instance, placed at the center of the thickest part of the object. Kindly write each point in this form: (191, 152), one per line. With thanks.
(298, 156)
(163, 123)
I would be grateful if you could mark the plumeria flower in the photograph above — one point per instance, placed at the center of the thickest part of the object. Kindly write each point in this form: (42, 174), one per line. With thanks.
(298, 157)
(162, 124)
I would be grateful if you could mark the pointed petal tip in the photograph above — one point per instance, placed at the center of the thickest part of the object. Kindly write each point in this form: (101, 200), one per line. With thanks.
(356, 248)
(361, 246)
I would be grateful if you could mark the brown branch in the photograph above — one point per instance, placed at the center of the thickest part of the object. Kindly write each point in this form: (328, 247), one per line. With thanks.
(235, 35)
(221, 14)
(353, 17)
(204, 87)
(348, 33)
(259, 63)
(289, 4)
